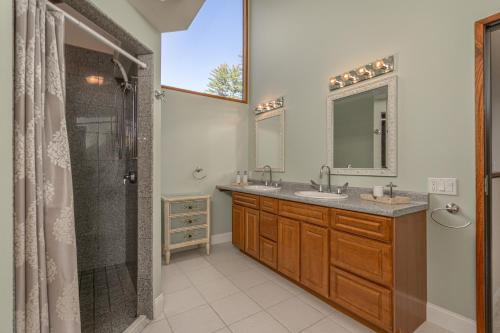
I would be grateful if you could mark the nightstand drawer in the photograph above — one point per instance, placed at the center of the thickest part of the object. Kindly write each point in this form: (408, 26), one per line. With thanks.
(187, 221)
(189, 206)
(188, 236)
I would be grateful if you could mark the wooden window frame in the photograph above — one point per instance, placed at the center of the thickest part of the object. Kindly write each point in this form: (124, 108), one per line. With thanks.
(244, 98)
(481, 265)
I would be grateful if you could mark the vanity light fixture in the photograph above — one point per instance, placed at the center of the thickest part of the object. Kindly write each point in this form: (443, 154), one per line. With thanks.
(271, 105)
(368, 71)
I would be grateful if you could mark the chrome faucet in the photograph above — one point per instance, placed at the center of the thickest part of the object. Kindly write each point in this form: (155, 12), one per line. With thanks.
(329, 178)
(270, 183)
(342, 189)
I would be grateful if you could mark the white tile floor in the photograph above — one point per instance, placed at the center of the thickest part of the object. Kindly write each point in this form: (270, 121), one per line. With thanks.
(229, 292)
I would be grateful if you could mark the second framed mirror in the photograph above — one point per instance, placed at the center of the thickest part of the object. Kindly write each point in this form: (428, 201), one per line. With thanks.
(361, 128)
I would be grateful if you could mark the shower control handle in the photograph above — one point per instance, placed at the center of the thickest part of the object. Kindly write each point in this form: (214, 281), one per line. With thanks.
(131, 178)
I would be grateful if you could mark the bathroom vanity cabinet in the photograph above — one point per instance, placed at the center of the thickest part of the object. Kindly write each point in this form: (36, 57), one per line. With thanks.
(369, 266)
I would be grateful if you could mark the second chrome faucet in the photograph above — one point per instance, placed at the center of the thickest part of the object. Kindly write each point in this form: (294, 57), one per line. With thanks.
(340, 190)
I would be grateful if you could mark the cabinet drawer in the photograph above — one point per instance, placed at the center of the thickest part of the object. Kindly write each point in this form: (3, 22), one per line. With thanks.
(366, 299)
(269, 226)
(371, 226)
(187, 221)
(269, 205)
(368, 258)
(304, 212)
(188, 236)
(246, 200)
(268, 252)
(190, 206)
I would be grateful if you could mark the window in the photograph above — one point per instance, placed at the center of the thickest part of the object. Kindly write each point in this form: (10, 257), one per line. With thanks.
(210, 58)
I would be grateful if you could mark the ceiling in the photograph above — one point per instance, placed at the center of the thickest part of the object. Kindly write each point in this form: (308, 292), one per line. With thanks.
(168, 15)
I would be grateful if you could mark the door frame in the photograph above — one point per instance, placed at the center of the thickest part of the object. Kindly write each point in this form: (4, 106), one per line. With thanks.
(480, 28)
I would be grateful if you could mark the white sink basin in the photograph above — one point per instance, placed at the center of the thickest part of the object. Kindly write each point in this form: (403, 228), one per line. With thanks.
(321, 195)
(262, 188)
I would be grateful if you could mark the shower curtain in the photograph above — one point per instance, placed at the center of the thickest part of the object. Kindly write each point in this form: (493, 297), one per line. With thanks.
(46, 283)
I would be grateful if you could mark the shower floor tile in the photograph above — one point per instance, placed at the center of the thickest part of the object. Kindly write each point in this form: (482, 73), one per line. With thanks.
(108, 299)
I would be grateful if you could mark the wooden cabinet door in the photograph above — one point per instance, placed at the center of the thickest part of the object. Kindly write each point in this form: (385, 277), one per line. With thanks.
(238, 227)
(289, 247)
(268, 252)
(314, 259)
(252, 232)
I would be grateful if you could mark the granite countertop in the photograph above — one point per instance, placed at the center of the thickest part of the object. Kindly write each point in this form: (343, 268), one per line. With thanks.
(419, 201)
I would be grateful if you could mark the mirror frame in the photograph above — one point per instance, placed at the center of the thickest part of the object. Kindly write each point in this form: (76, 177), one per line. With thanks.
(262, 116)
(391, 82)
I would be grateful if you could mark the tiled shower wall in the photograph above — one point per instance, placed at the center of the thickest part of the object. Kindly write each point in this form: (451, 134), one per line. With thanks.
(105, 208)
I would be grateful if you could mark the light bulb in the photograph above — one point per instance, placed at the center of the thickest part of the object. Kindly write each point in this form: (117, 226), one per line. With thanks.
(380, 65)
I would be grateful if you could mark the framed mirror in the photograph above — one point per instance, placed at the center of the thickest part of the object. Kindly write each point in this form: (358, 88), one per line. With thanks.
(270, 140)
(361, 128)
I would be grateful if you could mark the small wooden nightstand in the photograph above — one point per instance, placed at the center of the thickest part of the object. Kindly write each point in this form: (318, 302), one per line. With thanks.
(186, 222)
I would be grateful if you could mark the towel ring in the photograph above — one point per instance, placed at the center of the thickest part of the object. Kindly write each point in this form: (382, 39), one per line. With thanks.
(451, 208)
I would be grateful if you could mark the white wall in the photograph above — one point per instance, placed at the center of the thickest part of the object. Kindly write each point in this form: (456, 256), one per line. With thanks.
(206, 132)
(297, 45)
(6, 202)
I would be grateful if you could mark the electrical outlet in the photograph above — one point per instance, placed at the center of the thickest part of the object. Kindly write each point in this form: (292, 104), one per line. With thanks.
(446, 186)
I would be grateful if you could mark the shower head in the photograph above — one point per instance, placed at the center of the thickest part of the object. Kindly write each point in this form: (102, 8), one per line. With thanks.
(118, 64)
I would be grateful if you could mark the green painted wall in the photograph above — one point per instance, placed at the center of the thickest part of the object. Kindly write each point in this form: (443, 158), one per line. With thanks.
(297, 45)
(206, 132)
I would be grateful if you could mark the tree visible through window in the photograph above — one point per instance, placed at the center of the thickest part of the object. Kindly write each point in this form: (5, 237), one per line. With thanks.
(209, 57)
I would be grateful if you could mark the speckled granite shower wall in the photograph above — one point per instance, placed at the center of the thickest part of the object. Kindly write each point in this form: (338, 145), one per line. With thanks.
(105, 208)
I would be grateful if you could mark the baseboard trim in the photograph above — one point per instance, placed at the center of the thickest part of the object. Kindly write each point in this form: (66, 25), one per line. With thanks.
(450, 320)
(221, 238)
(138, 325)
(158, 307)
